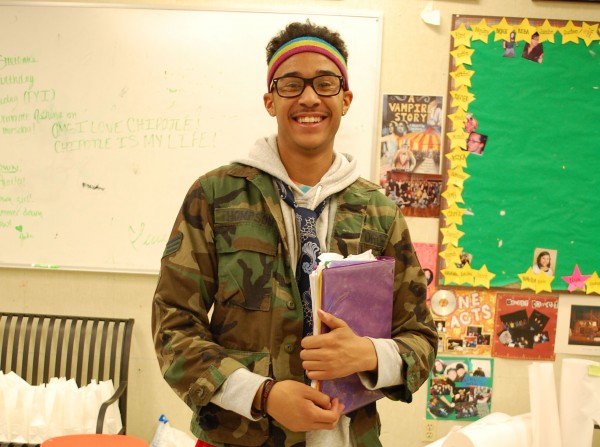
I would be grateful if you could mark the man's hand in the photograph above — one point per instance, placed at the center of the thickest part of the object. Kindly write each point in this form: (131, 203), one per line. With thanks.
(338, 353)
(299, 408)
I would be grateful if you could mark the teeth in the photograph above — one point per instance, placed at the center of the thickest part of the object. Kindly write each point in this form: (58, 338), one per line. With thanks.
(309, 119)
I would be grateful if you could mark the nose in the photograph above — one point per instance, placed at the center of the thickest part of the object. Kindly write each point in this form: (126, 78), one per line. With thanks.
(309, 96)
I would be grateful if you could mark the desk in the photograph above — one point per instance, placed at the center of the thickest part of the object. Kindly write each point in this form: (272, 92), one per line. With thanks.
(95, 441)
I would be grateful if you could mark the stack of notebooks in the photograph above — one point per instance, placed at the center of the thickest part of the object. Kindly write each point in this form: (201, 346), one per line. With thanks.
(360, 291)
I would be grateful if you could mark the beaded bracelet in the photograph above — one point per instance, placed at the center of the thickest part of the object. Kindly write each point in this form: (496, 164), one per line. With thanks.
(265, 395)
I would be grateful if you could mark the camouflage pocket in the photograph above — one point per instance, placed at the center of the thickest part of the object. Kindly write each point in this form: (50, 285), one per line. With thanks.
(247, 248)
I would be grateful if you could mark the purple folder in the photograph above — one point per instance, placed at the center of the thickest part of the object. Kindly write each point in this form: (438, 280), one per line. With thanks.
(362, 295)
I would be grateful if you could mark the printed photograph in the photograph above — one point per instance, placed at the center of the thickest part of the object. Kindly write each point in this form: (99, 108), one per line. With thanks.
(417, 195)
(584, 328)
(544, 260)
(460, 388)
(476, 143)
(578, 325)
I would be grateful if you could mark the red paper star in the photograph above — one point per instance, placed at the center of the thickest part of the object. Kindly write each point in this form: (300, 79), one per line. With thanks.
(576, 280)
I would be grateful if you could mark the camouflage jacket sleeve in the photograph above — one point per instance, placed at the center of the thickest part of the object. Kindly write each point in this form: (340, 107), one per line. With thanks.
(191, 361)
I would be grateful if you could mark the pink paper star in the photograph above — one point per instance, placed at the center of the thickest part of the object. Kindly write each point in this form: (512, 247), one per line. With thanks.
(576, 280)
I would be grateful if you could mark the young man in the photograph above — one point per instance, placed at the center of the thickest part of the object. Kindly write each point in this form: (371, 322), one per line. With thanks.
(235, 248)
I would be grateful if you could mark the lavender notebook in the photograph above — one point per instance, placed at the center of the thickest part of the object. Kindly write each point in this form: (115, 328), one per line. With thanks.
(362, 295)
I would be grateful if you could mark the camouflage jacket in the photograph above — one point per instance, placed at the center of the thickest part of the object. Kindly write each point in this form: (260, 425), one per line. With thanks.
(228, 252)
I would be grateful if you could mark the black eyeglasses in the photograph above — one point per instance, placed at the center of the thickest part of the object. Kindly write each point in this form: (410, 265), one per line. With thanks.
(293, 86)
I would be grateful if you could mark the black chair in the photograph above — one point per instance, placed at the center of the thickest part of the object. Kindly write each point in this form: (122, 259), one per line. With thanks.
(38, 347)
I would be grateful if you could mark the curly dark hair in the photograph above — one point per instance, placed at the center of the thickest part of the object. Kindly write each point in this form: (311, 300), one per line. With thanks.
(297, 29)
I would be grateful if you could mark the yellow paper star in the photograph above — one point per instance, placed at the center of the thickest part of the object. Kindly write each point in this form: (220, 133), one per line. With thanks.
(544, 283)
(451, 275)
(454, 275)
(462, 36)
(458, 118)
(451, 254)
(465, 275)
(524, 31)
(458, 157)
(482, 277)
(462, 97)
(570, 33)
(453, 194)
(537, 282)
(451, 235)
(462, 55)
(547, 32)
(457, 176)
(458, 138)
(462, 76)
(454, 214)
(589, 33)
(592, 284)
(481, 31)
(502, 30)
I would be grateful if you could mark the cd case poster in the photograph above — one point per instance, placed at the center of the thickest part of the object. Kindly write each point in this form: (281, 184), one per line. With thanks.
(525, 327)
(410, 134)
(460, 388)
(464, 320)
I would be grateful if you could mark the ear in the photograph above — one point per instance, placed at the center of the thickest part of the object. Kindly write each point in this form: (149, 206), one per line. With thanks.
(269, 103)
(347, 100)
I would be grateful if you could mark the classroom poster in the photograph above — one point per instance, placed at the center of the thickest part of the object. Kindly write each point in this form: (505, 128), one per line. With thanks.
(460, 388)
(410, 134)
(464, 319)
(522, 112)
(525, 326)
(427, 255)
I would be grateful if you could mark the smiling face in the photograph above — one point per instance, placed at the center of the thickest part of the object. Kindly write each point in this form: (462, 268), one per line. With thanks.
(309, 122)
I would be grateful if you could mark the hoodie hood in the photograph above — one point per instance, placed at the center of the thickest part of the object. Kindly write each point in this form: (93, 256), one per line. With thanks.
(342, 173)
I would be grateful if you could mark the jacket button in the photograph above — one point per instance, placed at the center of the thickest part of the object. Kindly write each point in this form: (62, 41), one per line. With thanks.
(291, 305)
(289, 348)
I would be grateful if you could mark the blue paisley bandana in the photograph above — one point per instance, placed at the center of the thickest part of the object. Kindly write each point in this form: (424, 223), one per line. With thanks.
(306, 223)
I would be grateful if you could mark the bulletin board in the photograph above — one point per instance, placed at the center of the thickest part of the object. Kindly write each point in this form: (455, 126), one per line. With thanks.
(535, 186)
(108, 114)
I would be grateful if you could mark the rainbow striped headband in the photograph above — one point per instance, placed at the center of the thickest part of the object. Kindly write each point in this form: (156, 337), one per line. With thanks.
(304, 45)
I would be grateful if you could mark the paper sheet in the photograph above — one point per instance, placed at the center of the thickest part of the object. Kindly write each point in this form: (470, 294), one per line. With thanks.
(545, 422)
(577, 428)
(494, 430)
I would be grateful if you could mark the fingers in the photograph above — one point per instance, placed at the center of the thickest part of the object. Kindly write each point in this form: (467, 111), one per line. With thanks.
(328, 419)
(302, 408)
(331, 321)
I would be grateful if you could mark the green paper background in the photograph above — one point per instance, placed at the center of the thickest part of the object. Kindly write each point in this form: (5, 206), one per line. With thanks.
(541, 164)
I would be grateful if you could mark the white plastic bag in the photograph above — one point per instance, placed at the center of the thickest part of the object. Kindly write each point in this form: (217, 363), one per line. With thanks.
(32, 414)
(167, 436)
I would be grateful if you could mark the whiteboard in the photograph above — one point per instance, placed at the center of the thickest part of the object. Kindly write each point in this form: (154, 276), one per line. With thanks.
(108, 114)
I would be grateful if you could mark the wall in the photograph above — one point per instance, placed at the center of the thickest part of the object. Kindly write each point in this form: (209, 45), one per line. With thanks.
(415, 61)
